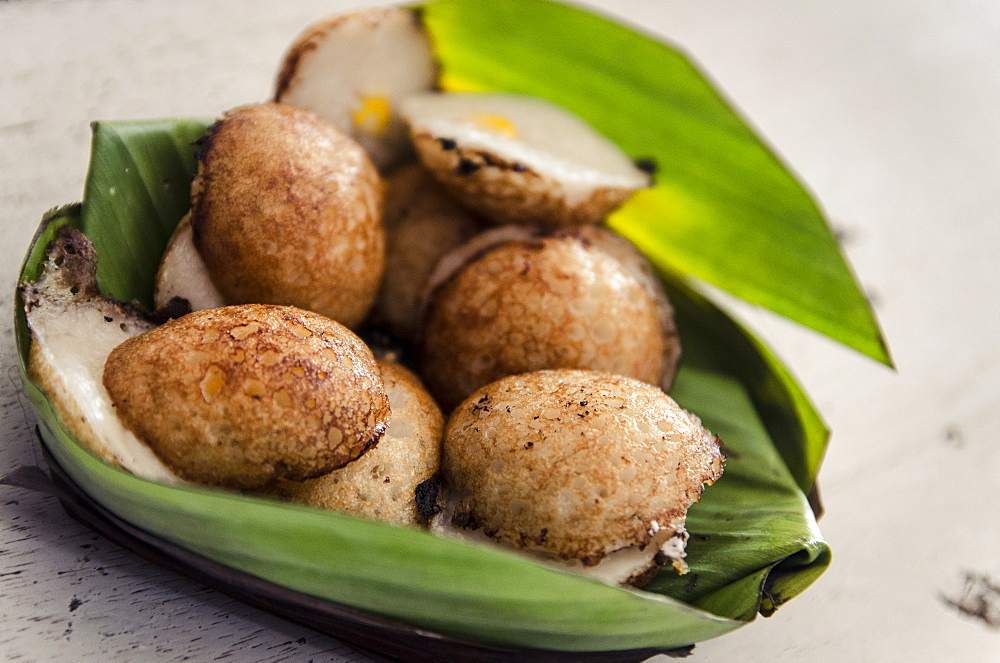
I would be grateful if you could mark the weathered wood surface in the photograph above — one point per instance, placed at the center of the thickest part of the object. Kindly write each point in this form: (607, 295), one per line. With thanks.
(887, 110)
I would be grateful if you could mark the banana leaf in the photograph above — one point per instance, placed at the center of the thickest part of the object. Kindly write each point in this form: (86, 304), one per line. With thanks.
(754, 541)
(714, 341)
(137, 168)
(724, 208)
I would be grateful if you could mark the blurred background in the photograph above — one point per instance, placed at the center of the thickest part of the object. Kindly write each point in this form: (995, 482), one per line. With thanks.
(887, 111)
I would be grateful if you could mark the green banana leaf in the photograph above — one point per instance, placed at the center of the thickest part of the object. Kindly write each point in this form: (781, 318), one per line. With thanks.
(754, 541)
(714, 341)
(724, 208)
(145, 169)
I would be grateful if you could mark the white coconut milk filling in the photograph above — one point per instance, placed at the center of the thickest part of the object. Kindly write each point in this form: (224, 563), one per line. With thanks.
(360, 69)
(183, 273)
(622, 565)
(542, 136)
(616, 568)
(75, 339)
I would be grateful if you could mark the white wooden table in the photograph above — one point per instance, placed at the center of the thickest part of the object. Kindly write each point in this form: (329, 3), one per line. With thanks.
(890, 111)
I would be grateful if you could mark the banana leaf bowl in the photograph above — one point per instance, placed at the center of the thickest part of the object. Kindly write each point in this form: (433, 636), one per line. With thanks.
(724, 211)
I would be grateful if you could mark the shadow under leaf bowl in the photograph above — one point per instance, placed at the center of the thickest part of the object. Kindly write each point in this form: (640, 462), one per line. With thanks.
(404, 592)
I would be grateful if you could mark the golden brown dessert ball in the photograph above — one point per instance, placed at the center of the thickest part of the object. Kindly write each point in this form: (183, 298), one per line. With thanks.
(577, 464)
(519, 299)
(241, 395)
(384, 483)
(287, 210)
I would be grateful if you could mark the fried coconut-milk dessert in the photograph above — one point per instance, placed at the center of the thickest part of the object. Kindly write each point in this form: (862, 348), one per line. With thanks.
(521, 298)
(591, 471)
(285, 210)
(242, 395)
(396, 481)
(518, 159)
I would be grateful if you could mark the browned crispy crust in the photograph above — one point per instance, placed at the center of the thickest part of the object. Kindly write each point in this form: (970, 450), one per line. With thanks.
(576, 463)
(383, 484)
(287, 210)
(505, 191)
(639, 268)
(561, 298)
(70, 263)
(241, 395)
